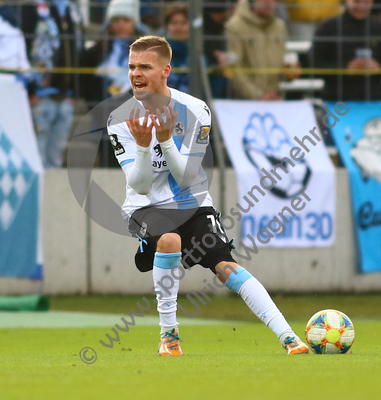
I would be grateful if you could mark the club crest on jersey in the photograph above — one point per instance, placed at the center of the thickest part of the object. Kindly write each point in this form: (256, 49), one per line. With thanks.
(202, 137)
(118, 148)
(179, 128)
(158, 150)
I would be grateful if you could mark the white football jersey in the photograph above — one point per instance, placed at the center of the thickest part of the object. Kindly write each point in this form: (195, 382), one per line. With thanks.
(191, 136)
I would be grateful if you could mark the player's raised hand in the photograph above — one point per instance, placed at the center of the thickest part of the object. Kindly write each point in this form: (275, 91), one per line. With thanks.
(164, 129)
(141, 133)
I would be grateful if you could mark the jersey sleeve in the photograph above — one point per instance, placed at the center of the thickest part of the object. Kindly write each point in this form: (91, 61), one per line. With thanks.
(201, 130)
(185, 161)
(121, 140)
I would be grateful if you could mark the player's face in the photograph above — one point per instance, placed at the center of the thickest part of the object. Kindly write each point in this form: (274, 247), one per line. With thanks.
(148, 73)
(359, 9)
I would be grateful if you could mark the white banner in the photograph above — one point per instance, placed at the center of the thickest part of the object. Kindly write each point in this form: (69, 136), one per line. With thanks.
(283, 202)
(21, 175)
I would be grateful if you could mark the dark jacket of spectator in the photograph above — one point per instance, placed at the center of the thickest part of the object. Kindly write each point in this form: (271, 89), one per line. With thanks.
(179, 81)
(110, 53)
(215, 16)
(217, 29)
(8, 14)
(95, 87)
(177, 34)
(353, 38)
(63, 27)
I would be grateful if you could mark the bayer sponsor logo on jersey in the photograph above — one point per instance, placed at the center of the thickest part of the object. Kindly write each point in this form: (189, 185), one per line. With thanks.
(265, 143)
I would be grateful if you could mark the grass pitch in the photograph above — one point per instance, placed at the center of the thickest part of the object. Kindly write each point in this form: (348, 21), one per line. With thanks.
(226, 360)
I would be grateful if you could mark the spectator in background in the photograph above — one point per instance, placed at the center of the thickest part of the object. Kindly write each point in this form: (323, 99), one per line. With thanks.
(258, 39)
(110, 56)
(152, 15)
(215, 16)
(54, 39)
(13, 54)
(8, 13)
(356, 46)
(376, 10)
(110, 53)
(97, 11)
(177, 35)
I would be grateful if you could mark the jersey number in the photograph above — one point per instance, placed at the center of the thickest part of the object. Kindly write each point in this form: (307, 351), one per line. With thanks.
(217, 227)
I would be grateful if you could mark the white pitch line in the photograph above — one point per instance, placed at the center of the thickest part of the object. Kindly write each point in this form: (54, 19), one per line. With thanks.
(67, 319)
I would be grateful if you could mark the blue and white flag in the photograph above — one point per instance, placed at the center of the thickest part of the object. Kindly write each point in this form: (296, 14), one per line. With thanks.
(286, 183)
(20, 184)
(358, 139)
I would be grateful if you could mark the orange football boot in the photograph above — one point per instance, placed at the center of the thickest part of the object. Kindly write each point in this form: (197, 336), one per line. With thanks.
(295, 346)
(169, 345)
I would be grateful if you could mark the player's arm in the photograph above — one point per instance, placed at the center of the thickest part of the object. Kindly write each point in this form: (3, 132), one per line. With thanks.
(134, 159)
(140, 175)
(184, 167)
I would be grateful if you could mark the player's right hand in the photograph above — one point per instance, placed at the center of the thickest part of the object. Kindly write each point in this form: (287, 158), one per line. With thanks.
(141, 133)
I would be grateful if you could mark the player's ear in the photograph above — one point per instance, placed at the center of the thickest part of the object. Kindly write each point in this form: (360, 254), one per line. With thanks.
(167, 71)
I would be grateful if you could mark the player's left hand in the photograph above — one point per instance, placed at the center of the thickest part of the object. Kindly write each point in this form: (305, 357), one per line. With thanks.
(164, 129)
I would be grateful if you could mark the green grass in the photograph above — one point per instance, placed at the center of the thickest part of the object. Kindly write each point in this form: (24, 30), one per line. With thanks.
(231, 307)
(240, 360)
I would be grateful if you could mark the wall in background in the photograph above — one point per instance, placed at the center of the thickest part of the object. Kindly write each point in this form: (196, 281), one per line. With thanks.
(80, 256)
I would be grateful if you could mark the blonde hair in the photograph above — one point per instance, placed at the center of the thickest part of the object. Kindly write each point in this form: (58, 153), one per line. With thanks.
(153, 43)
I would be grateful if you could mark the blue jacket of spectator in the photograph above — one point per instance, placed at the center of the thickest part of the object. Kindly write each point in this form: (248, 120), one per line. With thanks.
(179, 81)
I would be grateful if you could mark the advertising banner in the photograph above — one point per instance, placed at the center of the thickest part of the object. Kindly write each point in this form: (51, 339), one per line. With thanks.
(358, 139)
(21, 175)
(286, 178)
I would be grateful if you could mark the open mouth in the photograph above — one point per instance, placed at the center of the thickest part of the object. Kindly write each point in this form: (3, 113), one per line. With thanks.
(139, 86)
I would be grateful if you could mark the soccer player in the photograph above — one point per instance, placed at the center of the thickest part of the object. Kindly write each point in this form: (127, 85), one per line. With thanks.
(168, 207)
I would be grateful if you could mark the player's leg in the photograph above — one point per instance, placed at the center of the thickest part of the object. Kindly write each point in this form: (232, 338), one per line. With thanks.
(59, 133)
(165, 265)
(160, 251)
(260, 303)
(43, 117)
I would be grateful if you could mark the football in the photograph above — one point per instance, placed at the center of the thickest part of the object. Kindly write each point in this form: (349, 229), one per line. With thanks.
(330, 332)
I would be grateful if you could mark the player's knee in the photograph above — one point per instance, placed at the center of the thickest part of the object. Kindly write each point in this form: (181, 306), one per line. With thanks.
(169, 243)
(225, 269)
(232, 275)
(236, 280)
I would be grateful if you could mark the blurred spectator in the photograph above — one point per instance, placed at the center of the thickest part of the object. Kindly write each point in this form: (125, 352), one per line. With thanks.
(110, 53)
(258, 39)
(12, 45)
(110, 56)
(282, 12)
(177, 34)
(376, 10)
(97, 11)
(351, 41)
(151, 15)
(215, 16)
(8, 14)
(54, 39)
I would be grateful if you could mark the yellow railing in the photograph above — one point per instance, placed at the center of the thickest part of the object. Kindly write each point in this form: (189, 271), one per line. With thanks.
(228, 71)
